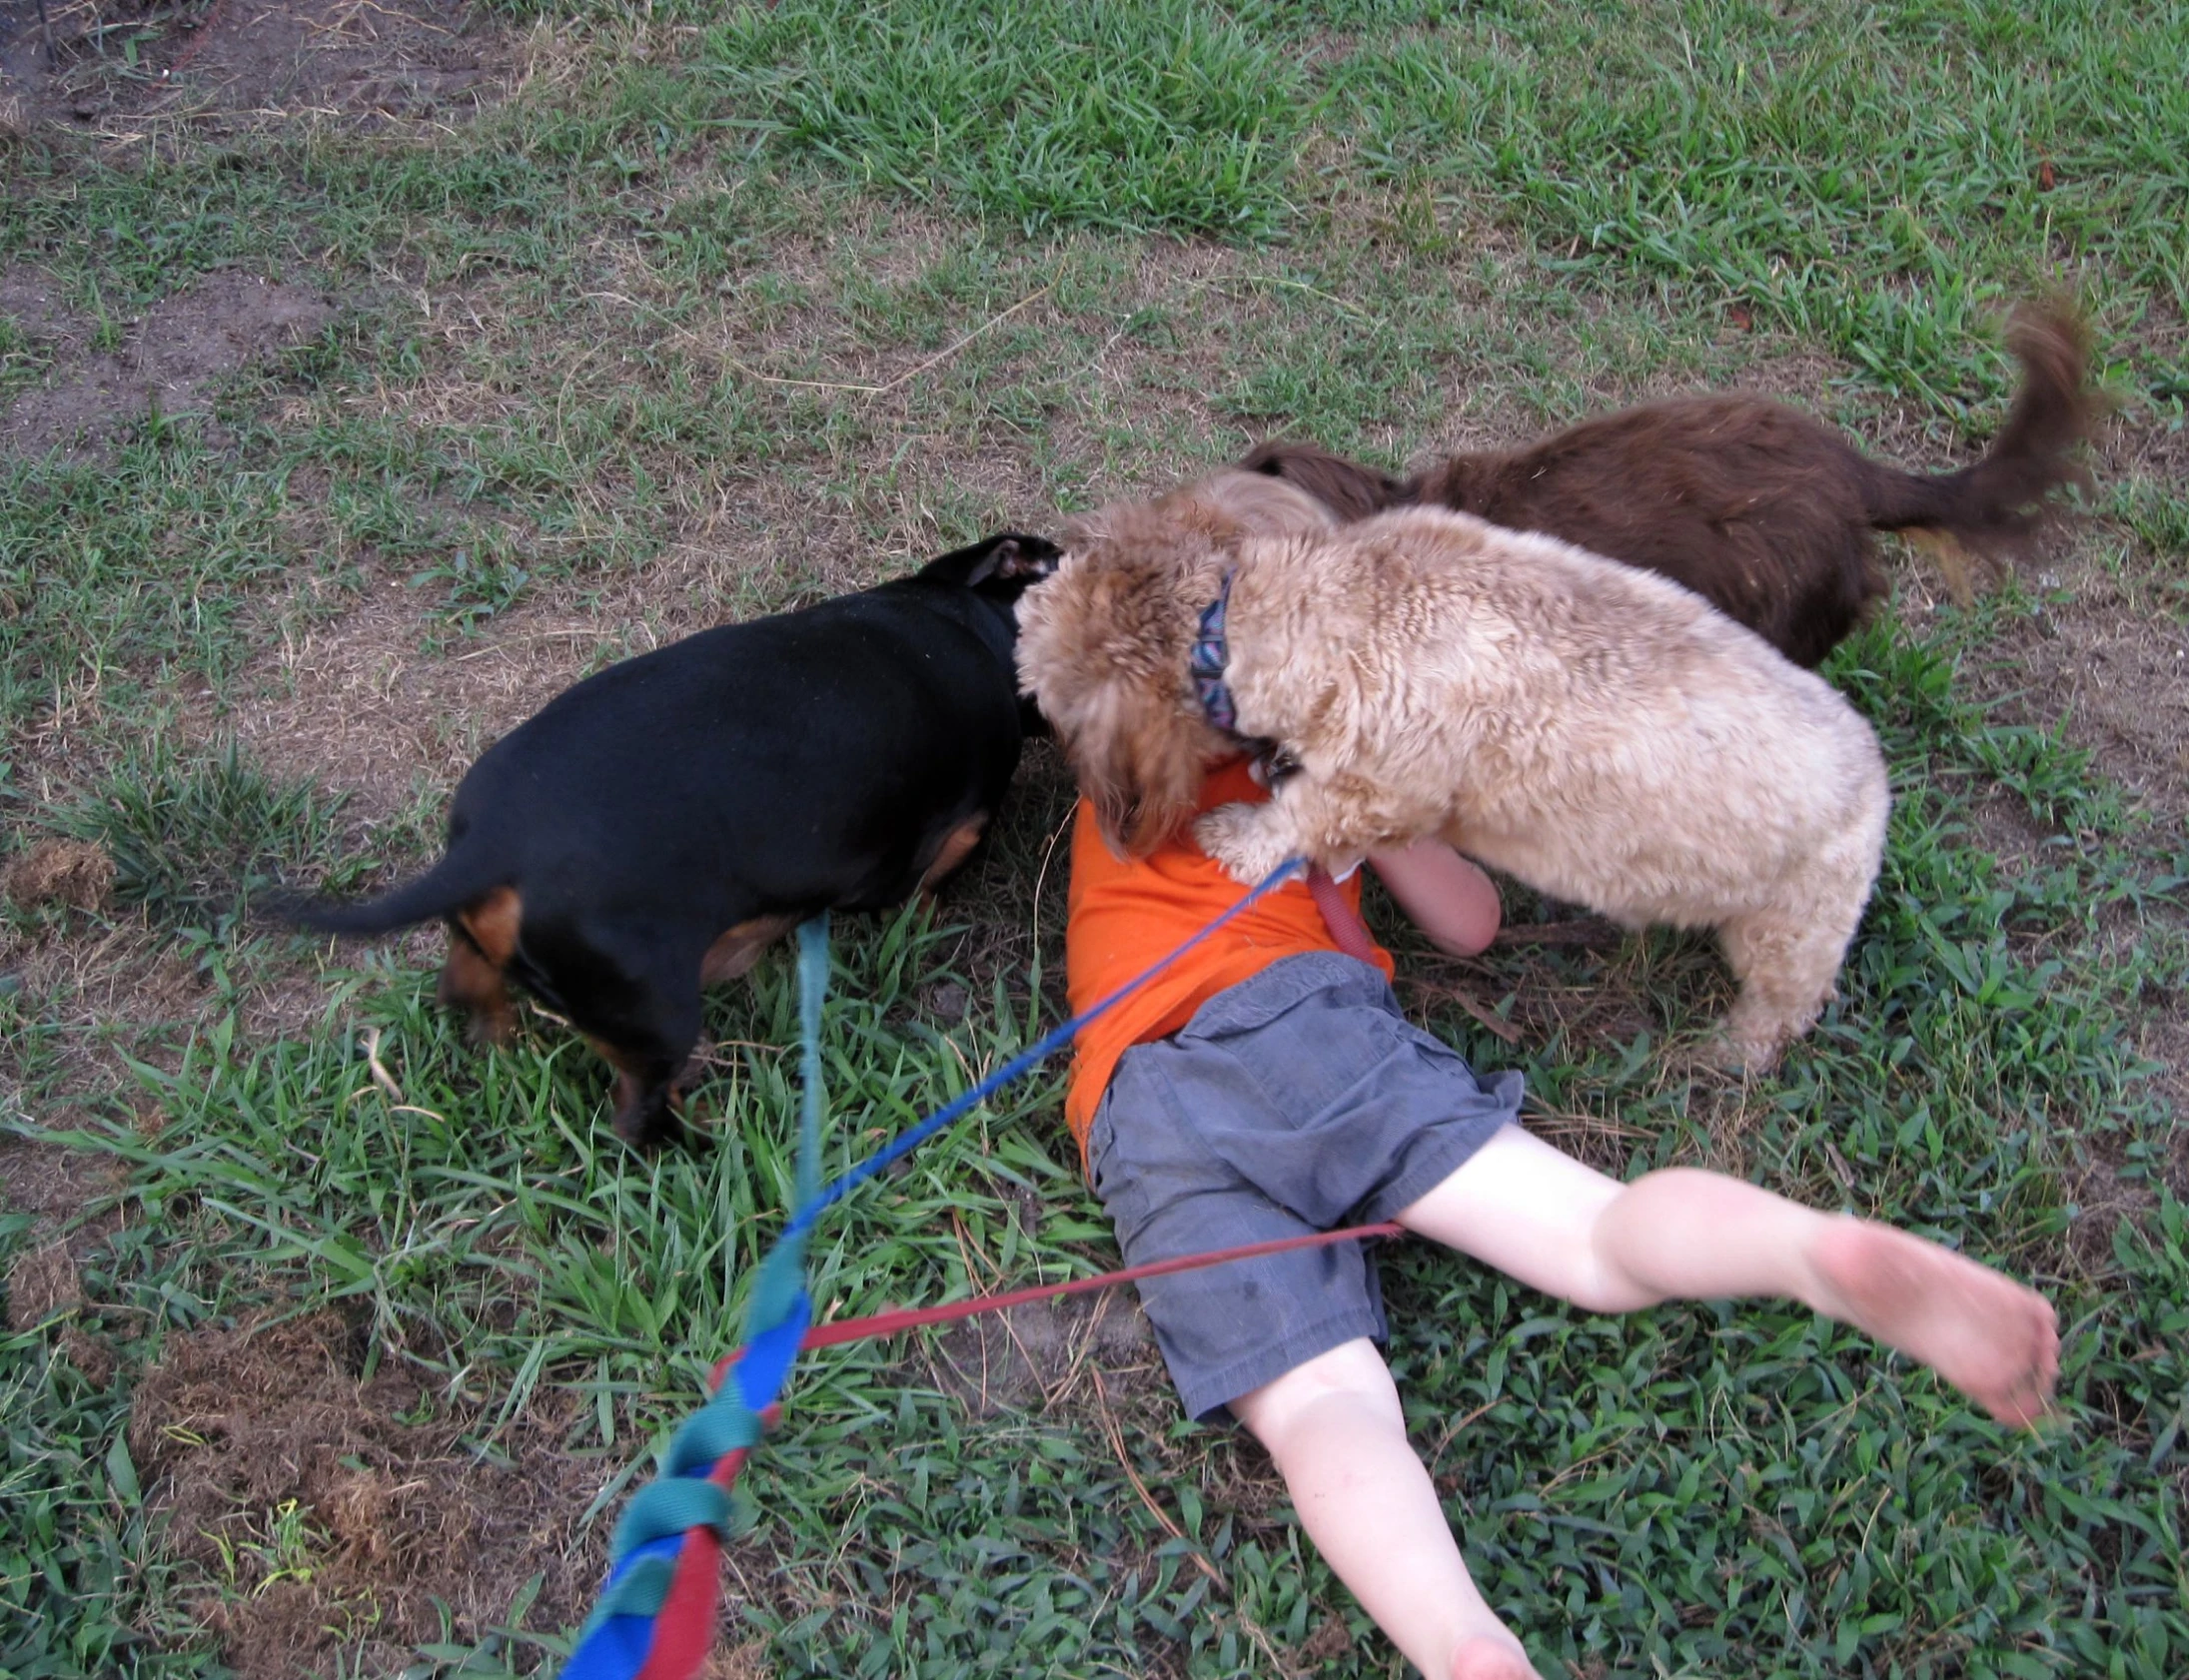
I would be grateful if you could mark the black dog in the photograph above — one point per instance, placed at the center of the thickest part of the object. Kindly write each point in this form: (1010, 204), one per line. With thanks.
(656, 825)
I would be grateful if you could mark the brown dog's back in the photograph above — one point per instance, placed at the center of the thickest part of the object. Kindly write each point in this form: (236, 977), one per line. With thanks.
(1761, 510)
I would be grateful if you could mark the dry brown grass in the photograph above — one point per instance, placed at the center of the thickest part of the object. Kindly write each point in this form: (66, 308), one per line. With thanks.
(43, 1281)
(74, 873)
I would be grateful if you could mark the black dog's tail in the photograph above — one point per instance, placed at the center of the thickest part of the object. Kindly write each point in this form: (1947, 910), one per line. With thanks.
(1993, 506)
(1348, 490)
(461, 877)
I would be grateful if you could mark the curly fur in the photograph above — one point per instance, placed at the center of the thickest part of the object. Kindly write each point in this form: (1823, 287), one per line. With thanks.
(1590, 728)
(1139, 760)
(1763, 509)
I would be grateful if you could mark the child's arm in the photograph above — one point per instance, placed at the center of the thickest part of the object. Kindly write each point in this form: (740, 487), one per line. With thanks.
(1448, 898)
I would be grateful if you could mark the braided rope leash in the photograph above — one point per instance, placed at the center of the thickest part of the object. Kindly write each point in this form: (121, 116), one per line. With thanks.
(691, 1495)
(654, 1617)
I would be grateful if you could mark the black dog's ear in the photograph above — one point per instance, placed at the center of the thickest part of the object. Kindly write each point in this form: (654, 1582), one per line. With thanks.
(1011, 558)
(1015, 558)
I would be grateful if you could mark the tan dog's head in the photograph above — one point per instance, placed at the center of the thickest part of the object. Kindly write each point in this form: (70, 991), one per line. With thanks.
(1103, 646)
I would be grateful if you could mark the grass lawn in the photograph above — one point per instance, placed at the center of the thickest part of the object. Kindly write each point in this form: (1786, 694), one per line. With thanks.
(383, 369)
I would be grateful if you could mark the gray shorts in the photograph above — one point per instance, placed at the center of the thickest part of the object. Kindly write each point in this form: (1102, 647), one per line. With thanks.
(1297, 1101)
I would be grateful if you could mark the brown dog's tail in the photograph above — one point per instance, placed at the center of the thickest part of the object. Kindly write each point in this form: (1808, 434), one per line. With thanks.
(461, 878)
(1348, 490)
(1992, 509)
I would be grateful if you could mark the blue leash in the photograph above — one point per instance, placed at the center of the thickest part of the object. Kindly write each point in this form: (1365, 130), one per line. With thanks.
(616, 1639)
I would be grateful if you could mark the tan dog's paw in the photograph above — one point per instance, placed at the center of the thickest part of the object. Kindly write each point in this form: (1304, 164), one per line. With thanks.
(1243, 839)
(1746, 1056)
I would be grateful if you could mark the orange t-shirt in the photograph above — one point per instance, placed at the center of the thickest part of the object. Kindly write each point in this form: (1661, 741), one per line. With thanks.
(1126, 915)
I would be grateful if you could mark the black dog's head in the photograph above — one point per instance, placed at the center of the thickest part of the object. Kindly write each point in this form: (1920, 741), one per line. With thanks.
(1000, 567)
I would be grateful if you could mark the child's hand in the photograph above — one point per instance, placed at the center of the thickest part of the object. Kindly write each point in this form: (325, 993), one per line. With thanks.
(1449, 899)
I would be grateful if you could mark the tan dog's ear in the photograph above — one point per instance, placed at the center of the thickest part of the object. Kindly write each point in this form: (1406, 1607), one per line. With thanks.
(1094, 651)
(1102, 649)
(1139, 762)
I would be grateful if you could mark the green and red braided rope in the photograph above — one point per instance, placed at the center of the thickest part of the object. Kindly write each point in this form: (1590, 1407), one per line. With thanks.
(654, 1619)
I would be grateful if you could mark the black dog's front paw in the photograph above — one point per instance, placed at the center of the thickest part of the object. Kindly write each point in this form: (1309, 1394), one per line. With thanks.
(653, 1121)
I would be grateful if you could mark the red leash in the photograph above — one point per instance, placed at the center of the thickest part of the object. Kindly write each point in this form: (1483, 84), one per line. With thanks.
(1344, 922)
(1354, 939)
(913, 1318)
(685, 1625)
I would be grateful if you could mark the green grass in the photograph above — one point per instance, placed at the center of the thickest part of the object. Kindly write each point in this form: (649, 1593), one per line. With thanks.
(814, 289)
(1870, 182)
(1108, 115)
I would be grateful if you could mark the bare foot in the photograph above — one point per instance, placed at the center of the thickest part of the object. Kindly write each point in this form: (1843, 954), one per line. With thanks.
(1490, 1659)
(1993, 1340)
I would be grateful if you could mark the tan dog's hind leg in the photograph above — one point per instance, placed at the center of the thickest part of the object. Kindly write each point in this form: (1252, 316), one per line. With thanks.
(1787, 966)
(1787, 954)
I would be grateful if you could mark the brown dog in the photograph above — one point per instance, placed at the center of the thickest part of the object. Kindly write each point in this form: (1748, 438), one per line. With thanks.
(1764, 511)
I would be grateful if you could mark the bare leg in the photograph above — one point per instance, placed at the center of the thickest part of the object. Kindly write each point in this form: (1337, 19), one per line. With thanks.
(1335, 1428)
(1545, 1219)
(1335, 1431)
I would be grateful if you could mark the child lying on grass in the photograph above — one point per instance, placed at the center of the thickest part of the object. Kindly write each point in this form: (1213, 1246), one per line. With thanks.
(1266, 1085)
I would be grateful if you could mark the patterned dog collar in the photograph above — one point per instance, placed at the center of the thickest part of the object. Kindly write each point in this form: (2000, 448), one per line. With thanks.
(1211, 654)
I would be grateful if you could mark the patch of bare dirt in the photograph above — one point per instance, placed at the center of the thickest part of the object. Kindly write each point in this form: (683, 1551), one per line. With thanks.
(327, 1513)
(745, 1660)
(52, 1184)
(110, 993)
(2103, 1195)
(30, 300)
(377, 702)
(380, 700)
(2116, 670)
(1038, 1352)
(99, 985)
(56, 1187)
(374, 696)
(184, 345)
(116, 69)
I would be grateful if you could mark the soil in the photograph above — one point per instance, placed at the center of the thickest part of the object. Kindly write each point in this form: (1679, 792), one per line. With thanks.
(332, 1516)
(2096, 658)
(54, 1184)
(121, 68)
(175, 357)
(364, 702)
(1033, 1354)
(42, 1282)
(118, 991)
